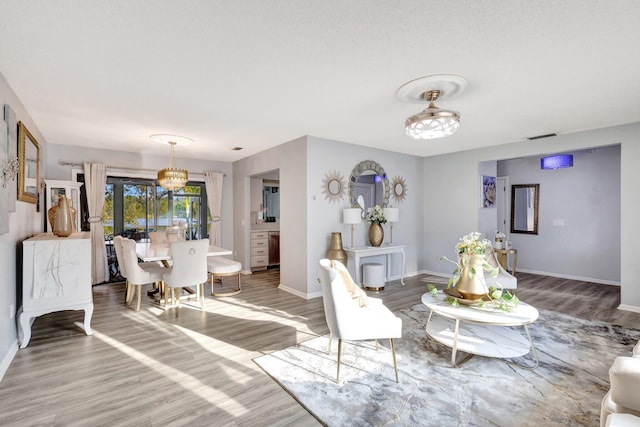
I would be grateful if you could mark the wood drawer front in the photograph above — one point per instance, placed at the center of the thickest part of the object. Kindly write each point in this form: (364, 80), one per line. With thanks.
(259, 261)
(261, 251)
(262, 243)
(259, 235)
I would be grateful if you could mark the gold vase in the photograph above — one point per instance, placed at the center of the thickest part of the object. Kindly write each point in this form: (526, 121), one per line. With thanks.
(61, 218)
(336, 252)
(471, 284)
(376, 234)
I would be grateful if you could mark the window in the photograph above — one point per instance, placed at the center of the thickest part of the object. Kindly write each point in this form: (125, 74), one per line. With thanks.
(133, 207)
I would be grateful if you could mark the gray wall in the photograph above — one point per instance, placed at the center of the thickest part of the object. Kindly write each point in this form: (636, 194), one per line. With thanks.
(325, 217)
(457, 191)
(23, 223)
(579, 215)
(308, 218)
(290, 159)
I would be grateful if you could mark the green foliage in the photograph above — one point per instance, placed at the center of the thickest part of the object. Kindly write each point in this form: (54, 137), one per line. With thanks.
(432, 289)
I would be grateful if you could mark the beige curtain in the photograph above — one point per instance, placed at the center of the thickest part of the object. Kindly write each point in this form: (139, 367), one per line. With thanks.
(213, 183)
(95, 179)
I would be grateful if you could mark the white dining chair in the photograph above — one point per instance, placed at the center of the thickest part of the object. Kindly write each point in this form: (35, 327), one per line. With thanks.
(189, 269)
(117, 244)
(138, 275)
(351, 315)
(158, 237)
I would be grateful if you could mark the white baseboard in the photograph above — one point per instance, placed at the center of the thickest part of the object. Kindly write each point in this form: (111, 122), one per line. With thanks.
(568, 276)
(4, 366)
(298, 293)
(433, 273)
(626, 307)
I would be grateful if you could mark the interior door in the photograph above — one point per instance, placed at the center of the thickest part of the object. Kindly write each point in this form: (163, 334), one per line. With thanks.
(502, 203)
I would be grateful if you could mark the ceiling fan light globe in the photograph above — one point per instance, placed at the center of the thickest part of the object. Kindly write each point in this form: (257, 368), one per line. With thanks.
(432, 123)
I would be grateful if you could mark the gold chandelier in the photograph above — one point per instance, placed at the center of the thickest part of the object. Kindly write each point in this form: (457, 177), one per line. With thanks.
(172, 178)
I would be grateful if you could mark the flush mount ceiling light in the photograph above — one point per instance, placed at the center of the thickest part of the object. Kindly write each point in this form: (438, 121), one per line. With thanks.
(432, 122)
(172, 178)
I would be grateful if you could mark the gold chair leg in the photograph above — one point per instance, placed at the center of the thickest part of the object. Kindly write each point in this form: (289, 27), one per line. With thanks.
(131, 292)
(139, 293)
(339, 353)
(126, 291)
(393, 352)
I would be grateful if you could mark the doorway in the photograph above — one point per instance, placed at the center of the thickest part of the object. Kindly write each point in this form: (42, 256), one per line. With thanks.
(502, 204)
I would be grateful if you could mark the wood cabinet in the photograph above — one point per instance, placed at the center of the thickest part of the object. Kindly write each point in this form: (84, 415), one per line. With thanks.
(56, 276)
(274, 247)
(259, 250)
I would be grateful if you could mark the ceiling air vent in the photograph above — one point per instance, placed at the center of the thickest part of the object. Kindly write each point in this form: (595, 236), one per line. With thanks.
(548, 135)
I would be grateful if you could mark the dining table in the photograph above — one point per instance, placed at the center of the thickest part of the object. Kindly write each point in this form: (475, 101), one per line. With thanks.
(150, 252)
(154, 252)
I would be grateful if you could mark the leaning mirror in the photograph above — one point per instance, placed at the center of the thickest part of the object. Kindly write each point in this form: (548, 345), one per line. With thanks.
(29, 161)
(369, 180)
(524, 208)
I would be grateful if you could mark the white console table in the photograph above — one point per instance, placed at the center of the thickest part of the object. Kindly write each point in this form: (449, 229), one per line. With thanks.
(56, 276)
(359, 252)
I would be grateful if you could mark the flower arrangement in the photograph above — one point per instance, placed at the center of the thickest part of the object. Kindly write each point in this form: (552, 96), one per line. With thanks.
(376, 216)
(471, 246)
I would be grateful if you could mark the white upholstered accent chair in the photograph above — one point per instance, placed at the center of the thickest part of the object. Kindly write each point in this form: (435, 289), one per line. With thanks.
(621, 405)
(189, 269)
(351, 315)
(138, 275)
(504, 279)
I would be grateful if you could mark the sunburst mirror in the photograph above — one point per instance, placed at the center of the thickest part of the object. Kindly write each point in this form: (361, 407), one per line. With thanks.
(333, 186)
(398, 189)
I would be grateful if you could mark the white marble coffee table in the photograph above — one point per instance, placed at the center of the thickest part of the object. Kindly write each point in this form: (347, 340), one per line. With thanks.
(480, 331)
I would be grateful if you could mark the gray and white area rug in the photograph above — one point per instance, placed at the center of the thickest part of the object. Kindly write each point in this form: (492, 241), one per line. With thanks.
(564, 390)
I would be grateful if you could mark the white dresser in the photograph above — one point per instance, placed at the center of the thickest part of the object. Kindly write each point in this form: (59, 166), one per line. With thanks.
(56, 276)
(259, 250)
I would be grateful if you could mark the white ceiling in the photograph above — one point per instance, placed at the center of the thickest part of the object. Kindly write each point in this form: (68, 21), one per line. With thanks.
(259, 73)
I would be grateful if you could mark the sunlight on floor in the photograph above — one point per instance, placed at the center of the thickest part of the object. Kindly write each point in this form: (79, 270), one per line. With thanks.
(188, 382)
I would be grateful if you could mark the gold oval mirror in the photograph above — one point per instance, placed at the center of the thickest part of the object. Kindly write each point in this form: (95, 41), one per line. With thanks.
(399, 189)
(333, 186)
(29, 161)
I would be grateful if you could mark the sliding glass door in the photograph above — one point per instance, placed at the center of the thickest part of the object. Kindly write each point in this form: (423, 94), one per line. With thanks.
(134, 207)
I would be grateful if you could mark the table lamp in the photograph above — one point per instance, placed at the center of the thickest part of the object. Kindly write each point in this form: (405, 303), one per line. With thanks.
(352, 216)
(392, 215)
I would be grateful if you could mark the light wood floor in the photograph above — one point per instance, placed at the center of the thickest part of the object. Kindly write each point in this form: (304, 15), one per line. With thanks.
(192, 367)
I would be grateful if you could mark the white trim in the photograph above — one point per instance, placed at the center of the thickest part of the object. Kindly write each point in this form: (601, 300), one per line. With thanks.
(626, 307)
(4, 366)
(433, 273)
(297, 292)
(571, 277)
